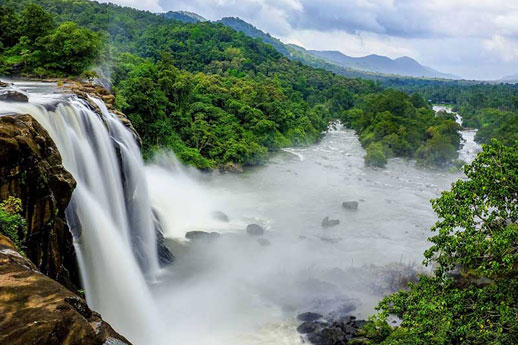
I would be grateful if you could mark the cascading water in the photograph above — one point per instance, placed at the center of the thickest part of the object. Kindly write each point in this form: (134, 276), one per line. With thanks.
(109, 214)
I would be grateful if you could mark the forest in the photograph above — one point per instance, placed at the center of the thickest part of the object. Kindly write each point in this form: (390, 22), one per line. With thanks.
(217, 98)
(212, 94)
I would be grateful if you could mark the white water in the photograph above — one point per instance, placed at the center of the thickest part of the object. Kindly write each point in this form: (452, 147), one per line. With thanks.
(234, 290)
(110, 209)
(469, 148)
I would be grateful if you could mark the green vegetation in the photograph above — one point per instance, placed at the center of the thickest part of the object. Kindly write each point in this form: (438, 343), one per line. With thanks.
(477, 236)
(32, 44)
(12, 224)
(212, 94)
(403, 126)
(492, 108)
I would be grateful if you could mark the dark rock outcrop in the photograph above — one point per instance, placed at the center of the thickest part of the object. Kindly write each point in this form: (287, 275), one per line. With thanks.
(350, 205)
(165, 257)
(35, 309)
(31, 169)
(255, 230)
(332, 330)
(10, 95)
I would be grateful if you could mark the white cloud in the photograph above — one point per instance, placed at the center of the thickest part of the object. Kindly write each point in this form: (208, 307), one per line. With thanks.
(147, 5)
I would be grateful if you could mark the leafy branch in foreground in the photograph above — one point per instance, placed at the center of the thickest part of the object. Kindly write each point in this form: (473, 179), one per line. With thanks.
(472, 298)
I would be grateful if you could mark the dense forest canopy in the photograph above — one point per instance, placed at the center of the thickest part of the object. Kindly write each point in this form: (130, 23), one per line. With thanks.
(212, 94)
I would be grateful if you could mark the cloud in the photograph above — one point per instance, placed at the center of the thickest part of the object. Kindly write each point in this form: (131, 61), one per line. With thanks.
(146, 5)
(465, 37)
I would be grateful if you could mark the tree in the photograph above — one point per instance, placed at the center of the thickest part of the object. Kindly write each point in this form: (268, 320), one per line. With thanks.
(70, 49)
(476, 242)
(35, 22)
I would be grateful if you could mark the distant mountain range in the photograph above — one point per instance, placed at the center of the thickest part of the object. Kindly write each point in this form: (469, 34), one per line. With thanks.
(335, 61)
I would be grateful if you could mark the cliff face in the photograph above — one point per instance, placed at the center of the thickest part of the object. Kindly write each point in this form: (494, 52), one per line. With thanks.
(31, 170)
(35, 309)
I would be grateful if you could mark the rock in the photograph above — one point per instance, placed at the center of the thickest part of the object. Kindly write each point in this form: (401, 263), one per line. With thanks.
(35, 309)
(232, 168)
(350, 205)
(307, 327)
(328, 336)
(10, 95)
(165, 257)
(201, 235)
(255, 230)
(222, 217)
(326, 222)
(264, 242)
(2, 84)
(31, 170)
(309, 316)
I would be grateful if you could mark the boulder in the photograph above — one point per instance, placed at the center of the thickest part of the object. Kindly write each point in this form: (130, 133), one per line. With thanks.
(201, 235)
(309, 316)
(222, 217)
(35, 309)
(350, 205)
(2, 84)
(31, 170)
(165, 257)
(264, 242)
(11, 95)
(307, 327)
(232, 168)
(255, 230)
(326, 222)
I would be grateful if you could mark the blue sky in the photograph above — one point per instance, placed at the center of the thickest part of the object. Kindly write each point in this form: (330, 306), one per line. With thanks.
(476, 39)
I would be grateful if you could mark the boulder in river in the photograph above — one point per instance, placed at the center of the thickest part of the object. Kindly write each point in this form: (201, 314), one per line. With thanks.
(11, 95)
(309, 316)
(201, 235)
(350, 205)
(331, 330)
(326, 222)
(264, 242)
(221, 216)
(255, 230)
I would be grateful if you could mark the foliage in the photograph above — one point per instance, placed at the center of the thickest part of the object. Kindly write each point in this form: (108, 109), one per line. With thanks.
(375, 156)
(31, 44)
(12, 224)
(477, 234)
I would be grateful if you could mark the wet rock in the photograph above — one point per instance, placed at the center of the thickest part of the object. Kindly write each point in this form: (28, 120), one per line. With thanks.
(255, 230)
(165, 257)
(232, 168)
(264, 242)
(201, 235)
(309, 316)
(35, 309)
(328, 336)
(221, 216)
(350, 205)
(31, 170)
(2, 84)
(10, 95)
(307, 327)
(326, 222)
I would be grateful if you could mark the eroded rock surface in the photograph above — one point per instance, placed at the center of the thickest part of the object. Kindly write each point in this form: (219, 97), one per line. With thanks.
(31, 169)
(35, 309)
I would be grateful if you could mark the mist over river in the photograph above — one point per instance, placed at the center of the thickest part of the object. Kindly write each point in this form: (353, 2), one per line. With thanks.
(237, 289)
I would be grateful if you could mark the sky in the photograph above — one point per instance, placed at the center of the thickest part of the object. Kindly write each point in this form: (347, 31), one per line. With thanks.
(473, 39)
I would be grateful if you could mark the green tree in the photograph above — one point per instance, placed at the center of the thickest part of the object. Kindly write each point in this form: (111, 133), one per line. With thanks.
(35, 22)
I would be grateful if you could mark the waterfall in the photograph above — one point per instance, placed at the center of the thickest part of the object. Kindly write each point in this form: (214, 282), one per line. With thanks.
(110, 213)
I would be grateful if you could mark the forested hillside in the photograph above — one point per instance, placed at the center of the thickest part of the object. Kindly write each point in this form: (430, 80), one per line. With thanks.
(212, 94)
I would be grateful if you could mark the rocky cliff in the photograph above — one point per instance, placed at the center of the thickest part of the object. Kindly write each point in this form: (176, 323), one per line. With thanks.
(31, 170)
(35, 309)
